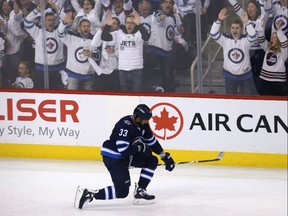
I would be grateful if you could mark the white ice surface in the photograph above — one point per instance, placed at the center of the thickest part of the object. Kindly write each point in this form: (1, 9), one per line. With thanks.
(32, 187)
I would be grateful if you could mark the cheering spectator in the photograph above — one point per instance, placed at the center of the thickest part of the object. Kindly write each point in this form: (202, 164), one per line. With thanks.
(80, 72)
(108, 71)
(187, 10)
(273, 77)
(54, 46)
(256, 16)
(279, 11)
(15, 36)
(5, 9)
(163, 30)
(87, 9)
(119, 9)
(130, 40)
(237, 67)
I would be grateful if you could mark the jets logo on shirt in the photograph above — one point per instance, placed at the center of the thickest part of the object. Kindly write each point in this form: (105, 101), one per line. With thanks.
(271, 59)
(52, 45)
(20, 85)
(283, 20)
(170, 33)
(127, 122)
(127, 44)
(236, 55)
(79, 55)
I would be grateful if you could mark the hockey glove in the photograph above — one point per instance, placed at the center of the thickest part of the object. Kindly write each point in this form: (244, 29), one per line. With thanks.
(168, 160)
(143, 148)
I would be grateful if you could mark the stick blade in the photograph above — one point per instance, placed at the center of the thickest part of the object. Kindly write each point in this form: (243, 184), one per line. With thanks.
(220, 155)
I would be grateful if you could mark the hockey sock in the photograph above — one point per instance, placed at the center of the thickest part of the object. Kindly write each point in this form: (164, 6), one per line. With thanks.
(146, 176)
(106, 193)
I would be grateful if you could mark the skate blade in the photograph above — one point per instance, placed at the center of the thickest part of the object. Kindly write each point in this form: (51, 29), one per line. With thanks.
(79, 192)
(143, 202)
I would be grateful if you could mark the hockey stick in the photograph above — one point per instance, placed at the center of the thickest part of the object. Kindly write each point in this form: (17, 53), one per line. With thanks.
(218, 158)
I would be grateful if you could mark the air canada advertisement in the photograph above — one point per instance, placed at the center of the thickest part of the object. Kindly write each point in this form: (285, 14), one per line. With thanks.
(178, 123)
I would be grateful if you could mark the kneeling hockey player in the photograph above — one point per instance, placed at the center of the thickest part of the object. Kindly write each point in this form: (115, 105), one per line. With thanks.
(130, 144)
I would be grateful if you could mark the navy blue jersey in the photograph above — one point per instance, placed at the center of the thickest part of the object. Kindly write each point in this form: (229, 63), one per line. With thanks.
(121, 143)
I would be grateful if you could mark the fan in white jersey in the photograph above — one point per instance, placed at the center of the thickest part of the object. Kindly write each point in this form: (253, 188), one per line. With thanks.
(81, 74)
(279, 11)
(119, 9)
(54, 49)
(236, 65)
(88, 9)
(144, 10)
(108, 78)
(130, 39)
(187, 11)
(256, 15)
(163, 30)
(23, 80)
(273, 76)
(14, 37)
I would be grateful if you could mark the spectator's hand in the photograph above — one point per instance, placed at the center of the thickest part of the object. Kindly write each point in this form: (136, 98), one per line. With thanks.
(244, 17)
(109, 18)
(162, 16)
(87, 53)
(38, 4)
(260, 24)
(25, 12)
(136, 18)
(68, 18)
(53, 5)
(180, 29)
(204, 10)
(278, 24)
(102, 27)
(223, 14)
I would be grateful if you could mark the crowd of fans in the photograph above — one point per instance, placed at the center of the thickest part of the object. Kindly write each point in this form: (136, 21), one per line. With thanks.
(117, 45)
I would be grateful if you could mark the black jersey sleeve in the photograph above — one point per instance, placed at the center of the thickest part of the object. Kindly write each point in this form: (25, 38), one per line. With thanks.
(106, 35)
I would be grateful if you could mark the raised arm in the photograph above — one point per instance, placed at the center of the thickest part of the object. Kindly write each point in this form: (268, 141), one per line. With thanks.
(106, 35)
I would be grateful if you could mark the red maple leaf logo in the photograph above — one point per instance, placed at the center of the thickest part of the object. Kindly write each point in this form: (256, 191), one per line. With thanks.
(164, 122)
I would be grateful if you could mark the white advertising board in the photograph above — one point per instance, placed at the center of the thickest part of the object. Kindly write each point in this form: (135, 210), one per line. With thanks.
(220, 124)
(178, 122)
(60, 119)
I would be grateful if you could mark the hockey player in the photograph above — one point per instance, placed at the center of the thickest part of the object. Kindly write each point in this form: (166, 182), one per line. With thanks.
(130, 144)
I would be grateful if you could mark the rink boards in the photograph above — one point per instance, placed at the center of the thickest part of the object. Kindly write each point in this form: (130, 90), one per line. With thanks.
(251, 131)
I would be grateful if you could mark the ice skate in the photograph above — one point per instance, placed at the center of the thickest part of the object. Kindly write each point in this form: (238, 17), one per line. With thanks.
(141, 197)
(82, 197)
